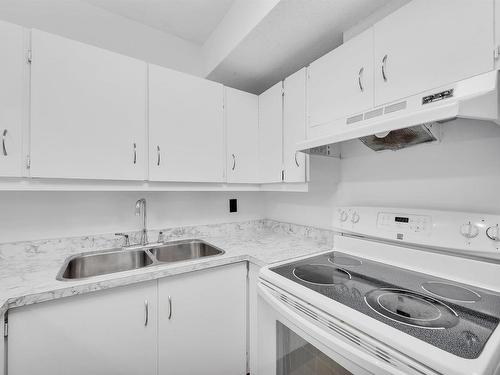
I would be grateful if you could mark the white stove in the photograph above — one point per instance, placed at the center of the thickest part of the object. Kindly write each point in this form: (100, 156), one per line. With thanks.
(402, 292)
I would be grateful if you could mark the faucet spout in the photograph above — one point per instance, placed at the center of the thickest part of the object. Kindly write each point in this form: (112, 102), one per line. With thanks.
(140, 210)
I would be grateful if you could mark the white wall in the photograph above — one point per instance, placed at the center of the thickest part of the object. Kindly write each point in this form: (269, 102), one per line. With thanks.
(39, 215)
(89, 24)
(462, 173)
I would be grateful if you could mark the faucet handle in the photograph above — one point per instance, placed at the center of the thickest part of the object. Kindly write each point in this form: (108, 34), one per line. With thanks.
(126, 238)
(161, 237)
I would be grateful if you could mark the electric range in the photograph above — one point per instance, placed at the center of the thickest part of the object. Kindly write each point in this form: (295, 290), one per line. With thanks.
(403, 291)
(453, 317)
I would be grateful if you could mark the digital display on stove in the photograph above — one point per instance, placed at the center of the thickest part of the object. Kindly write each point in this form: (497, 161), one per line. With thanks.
(400, 219)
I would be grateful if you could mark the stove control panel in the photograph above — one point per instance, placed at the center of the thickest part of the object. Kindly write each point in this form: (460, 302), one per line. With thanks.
(404, 223)
(448, 229)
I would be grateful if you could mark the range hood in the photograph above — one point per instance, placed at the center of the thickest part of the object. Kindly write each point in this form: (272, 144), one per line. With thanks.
(410, 121)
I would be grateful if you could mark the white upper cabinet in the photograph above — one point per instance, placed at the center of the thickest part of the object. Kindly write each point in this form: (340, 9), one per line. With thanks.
(340, 83)
(242, 135)
(12, 63)
(186, 127)
(427, 44)
(497, 34)
(202, 322)
(271, 134)
(102, 333)
(88, 111)
(294, 126)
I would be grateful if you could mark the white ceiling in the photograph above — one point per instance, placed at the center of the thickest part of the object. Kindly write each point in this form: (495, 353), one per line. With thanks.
(292, 35)
(192, 20)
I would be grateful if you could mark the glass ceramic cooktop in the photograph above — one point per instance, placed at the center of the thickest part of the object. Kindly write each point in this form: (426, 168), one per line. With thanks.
(456, 318)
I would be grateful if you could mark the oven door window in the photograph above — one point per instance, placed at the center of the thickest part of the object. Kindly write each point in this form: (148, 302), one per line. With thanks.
(295, 356)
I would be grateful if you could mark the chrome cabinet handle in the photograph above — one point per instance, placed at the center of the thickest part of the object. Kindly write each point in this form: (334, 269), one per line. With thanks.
(384, 67)
(169, 308)
(234, 162)
(360, 82)
(135, 153)
(158, 156)
(146, 312)
(3, 142)
(296, 161)
(4, 134)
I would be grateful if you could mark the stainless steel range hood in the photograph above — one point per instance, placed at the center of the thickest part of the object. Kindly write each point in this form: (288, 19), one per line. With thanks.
(409, 121)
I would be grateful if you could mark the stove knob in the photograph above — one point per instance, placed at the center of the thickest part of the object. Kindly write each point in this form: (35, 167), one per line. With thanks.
(354, 217)
(469, 230)
(493, 233)
(343, 216)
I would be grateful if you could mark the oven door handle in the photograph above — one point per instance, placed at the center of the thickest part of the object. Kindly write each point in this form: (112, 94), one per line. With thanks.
(347, 350)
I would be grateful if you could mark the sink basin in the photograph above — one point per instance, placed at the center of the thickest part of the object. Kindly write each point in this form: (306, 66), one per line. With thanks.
(184, 250)
(119, 260)
(101, 263)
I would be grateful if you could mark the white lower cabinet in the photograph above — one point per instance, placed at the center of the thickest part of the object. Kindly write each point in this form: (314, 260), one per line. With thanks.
(202, 322)
(193, 323)
(2, 350)
(102, 333)
(253, 278)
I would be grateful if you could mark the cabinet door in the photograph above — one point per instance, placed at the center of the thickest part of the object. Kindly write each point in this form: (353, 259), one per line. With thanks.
(88, 111)
(202, 322)
(294, 126)
(427, 44)
(12, 66)
(340, 83)
(98, 333)
(186, 127)
(242, 129)
(271, 134)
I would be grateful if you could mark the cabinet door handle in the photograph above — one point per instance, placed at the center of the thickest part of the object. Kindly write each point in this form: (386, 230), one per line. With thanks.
(384, 68)
(158, 156)
(169, 308)
(3, 142)
(360, 79)
(296, 161)
(146, 312)
(135, 153)
(234, 162)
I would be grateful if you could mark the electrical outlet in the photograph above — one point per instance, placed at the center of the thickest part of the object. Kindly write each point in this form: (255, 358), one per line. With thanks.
(233, 205)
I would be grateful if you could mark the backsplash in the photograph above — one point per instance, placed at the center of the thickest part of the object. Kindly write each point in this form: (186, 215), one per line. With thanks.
(110, 240)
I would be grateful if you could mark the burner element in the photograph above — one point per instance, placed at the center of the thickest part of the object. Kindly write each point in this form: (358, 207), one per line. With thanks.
(321, 274)
(451, 292)
(344, 261)
(411, 308)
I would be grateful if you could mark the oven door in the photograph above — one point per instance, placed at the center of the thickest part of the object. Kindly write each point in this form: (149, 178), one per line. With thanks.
(292, 343)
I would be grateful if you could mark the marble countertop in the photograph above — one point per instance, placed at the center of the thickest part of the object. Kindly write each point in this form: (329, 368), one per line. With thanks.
(28, 270)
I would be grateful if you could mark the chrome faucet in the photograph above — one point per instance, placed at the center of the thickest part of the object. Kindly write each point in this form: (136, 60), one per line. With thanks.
(140, 210)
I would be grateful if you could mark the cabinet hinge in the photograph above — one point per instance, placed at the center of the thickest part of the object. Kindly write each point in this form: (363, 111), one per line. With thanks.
(28, 162)
(496, 53)
(29, 57)
(282, 175)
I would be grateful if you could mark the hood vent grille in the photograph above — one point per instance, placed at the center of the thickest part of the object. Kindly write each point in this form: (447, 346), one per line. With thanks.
(399, 139)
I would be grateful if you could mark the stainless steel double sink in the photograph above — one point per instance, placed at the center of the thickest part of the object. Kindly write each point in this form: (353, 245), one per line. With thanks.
(125, 259)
